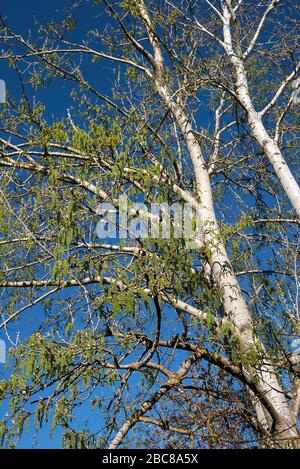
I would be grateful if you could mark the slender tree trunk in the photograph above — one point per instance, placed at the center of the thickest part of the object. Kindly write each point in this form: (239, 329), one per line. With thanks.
(267, 144)
(233, 302)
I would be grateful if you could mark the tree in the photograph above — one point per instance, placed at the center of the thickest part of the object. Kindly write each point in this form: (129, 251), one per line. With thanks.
(192, 338)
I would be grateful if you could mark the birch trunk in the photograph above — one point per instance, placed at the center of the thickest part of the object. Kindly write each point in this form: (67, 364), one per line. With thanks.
(235, 307)
(233, 302)
(267, 144)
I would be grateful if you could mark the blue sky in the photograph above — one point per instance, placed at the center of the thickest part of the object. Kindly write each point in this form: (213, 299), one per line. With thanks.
(22, 16)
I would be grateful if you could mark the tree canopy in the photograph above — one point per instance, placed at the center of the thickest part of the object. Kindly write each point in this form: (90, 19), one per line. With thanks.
(153, 341)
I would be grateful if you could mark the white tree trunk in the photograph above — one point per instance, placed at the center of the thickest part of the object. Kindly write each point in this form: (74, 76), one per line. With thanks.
(233, 302)
(267, 144)
(235, 307)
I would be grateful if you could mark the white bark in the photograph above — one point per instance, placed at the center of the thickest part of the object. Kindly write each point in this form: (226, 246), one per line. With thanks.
(267, 144)
(233, 302)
